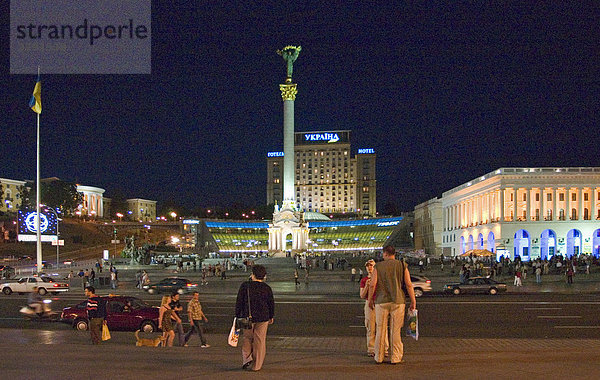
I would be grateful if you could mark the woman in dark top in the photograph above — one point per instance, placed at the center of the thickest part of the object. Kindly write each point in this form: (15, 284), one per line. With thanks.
(262, 310)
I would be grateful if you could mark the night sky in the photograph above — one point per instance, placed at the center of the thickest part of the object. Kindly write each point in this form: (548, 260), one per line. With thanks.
(443, 94)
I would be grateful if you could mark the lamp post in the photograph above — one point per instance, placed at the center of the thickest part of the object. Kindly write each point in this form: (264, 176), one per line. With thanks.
(173, 215)
(120, 216)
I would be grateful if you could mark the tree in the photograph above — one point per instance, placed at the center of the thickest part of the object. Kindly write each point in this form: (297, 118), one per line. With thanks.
(56, 194)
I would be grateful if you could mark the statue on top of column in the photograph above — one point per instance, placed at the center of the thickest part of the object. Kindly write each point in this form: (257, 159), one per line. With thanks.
(289, 54)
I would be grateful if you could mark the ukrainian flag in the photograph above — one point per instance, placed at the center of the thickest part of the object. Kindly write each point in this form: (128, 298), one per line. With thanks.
(36, 99)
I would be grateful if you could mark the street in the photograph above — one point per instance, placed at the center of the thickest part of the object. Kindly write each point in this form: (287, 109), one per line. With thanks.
(503, 316)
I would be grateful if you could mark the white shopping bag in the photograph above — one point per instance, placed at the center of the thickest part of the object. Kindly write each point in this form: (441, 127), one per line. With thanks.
(234, 335)
(412, 324)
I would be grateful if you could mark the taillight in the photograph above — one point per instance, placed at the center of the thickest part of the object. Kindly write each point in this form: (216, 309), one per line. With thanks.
(428, 281)
(190, 285)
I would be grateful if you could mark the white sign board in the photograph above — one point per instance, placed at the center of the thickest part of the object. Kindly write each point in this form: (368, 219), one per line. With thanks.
(105, 254)
(58, 242)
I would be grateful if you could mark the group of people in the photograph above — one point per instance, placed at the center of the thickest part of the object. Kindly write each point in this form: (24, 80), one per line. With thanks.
(383, 290)
(170, 321)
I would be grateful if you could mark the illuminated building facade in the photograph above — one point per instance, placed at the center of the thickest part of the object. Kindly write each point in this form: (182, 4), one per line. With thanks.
(526, 212)
(327, 178)
(142, 210)
(325, 235)
(11, 194)
(93, 204)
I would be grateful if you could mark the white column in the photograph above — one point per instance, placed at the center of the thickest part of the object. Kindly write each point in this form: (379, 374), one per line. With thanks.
(568, 206)
(514, 203)
(501, 204)
(542, 200)
(528, 192)
(594, 200)
(555, 203)
(580, 195)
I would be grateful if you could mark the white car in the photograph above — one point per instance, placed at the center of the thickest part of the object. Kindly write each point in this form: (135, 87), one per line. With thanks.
(44, 285)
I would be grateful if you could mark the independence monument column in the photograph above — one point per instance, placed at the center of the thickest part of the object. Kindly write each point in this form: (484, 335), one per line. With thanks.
(288, 94)
(289, 220)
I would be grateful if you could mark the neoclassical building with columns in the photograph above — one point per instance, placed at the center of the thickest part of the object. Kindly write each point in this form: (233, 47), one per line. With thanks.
(529, 212)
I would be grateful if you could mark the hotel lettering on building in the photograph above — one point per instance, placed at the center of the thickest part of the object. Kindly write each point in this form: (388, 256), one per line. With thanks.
(527, 212)
(328, 179)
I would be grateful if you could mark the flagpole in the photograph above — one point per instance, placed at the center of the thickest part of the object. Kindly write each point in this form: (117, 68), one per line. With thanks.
(37, 197)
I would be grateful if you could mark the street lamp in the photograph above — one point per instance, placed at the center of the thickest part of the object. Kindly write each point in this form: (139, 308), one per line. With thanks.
(120, 216)
(173, 215)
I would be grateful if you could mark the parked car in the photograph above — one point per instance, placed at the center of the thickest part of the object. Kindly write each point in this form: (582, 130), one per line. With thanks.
(476, 285)
(122, 313)
(171, 285)
(44, 285)
(420, 285)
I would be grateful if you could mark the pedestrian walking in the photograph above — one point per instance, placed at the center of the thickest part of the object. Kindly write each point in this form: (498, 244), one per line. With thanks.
(166, 317)
(370, 324)
(255, 301)
(197, 320)
(538, 274)
(96, 312)
(92, 277)
(296, 277)
(386, 296)
(352, 274)
(570, 272)
(113, 280)
(177, 308)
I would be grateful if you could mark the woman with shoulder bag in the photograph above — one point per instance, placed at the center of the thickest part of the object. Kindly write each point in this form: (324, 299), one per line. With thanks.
(255, 302)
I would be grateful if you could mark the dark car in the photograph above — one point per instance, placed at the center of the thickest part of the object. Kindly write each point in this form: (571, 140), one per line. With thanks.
(171, 285)
(122, 313)
(476, 285)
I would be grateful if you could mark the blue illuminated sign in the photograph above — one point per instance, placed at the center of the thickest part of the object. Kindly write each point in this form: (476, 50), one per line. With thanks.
(191, 221)
(366, 151)
(27, 221)
(275, 154)
(328, 137)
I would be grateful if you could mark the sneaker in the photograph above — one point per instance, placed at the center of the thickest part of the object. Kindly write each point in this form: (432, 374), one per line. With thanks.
(247, 365)
(205, 345)
(371, 354)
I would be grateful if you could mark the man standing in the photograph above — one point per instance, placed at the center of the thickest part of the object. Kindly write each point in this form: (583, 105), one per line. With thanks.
(262, 310)
(176, 306)
(386, 296)
(96, 311)
(197, 319)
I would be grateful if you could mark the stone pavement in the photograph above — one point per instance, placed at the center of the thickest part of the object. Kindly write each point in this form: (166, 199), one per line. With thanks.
(35, 354)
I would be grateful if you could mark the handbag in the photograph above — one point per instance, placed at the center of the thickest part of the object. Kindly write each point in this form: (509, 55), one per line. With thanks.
(105, 332)
(245, 323)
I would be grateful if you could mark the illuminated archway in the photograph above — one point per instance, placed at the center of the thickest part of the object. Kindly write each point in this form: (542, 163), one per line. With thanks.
(547, 244)
(522, 244)
(462, 244)
(480, 244)
(470, 243)
(596, 243)
(573, 243)
(491, 242)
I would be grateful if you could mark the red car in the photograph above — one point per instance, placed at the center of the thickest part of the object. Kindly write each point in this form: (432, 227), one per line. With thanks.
(122, 313)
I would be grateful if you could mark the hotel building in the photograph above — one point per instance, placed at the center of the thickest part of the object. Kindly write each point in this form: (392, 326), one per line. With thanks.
(526, 212)
(328, 179)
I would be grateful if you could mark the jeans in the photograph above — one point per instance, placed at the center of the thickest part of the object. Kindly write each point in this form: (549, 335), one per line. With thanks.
(197, 325)
(179, 332)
